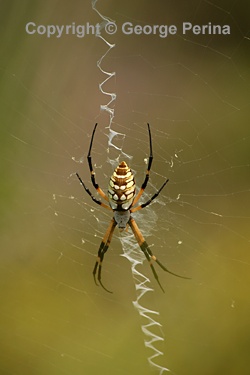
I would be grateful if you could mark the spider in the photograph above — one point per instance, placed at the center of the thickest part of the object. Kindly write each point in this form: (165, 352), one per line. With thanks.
(122, 200)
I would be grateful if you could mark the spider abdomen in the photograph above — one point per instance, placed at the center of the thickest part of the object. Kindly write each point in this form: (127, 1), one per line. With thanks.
(121, 191)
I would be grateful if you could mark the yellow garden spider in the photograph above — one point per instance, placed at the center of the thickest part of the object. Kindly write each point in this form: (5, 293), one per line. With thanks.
(122, 199)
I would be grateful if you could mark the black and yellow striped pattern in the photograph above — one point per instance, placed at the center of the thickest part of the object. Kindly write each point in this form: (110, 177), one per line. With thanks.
(121, 191)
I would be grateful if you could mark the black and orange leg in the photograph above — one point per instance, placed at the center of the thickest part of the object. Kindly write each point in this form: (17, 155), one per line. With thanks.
(101, 252)
(148, 253)
(92, 173)
(150, 200)
(92, 196)
(150, 160)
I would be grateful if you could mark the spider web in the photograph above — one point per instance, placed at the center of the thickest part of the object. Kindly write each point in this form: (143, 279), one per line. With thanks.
(194, 92)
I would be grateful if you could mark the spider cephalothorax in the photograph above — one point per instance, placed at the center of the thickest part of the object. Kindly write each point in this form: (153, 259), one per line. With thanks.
(122, 199)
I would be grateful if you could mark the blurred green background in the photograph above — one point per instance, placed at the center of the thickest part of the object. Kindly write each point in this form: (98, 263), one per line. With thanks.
(194, 91)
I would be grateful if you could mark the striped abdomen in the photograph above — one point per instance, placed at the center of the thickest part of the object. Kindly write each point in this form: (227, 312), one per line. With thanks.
(121, 191)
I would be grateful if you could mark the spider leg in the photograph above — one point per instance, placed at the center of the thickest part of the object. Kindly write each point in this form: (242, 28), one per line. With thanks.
(150, 200)
(91, 195)
(148, 253)
(150, 160)
(92, 173)
(101, 252)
